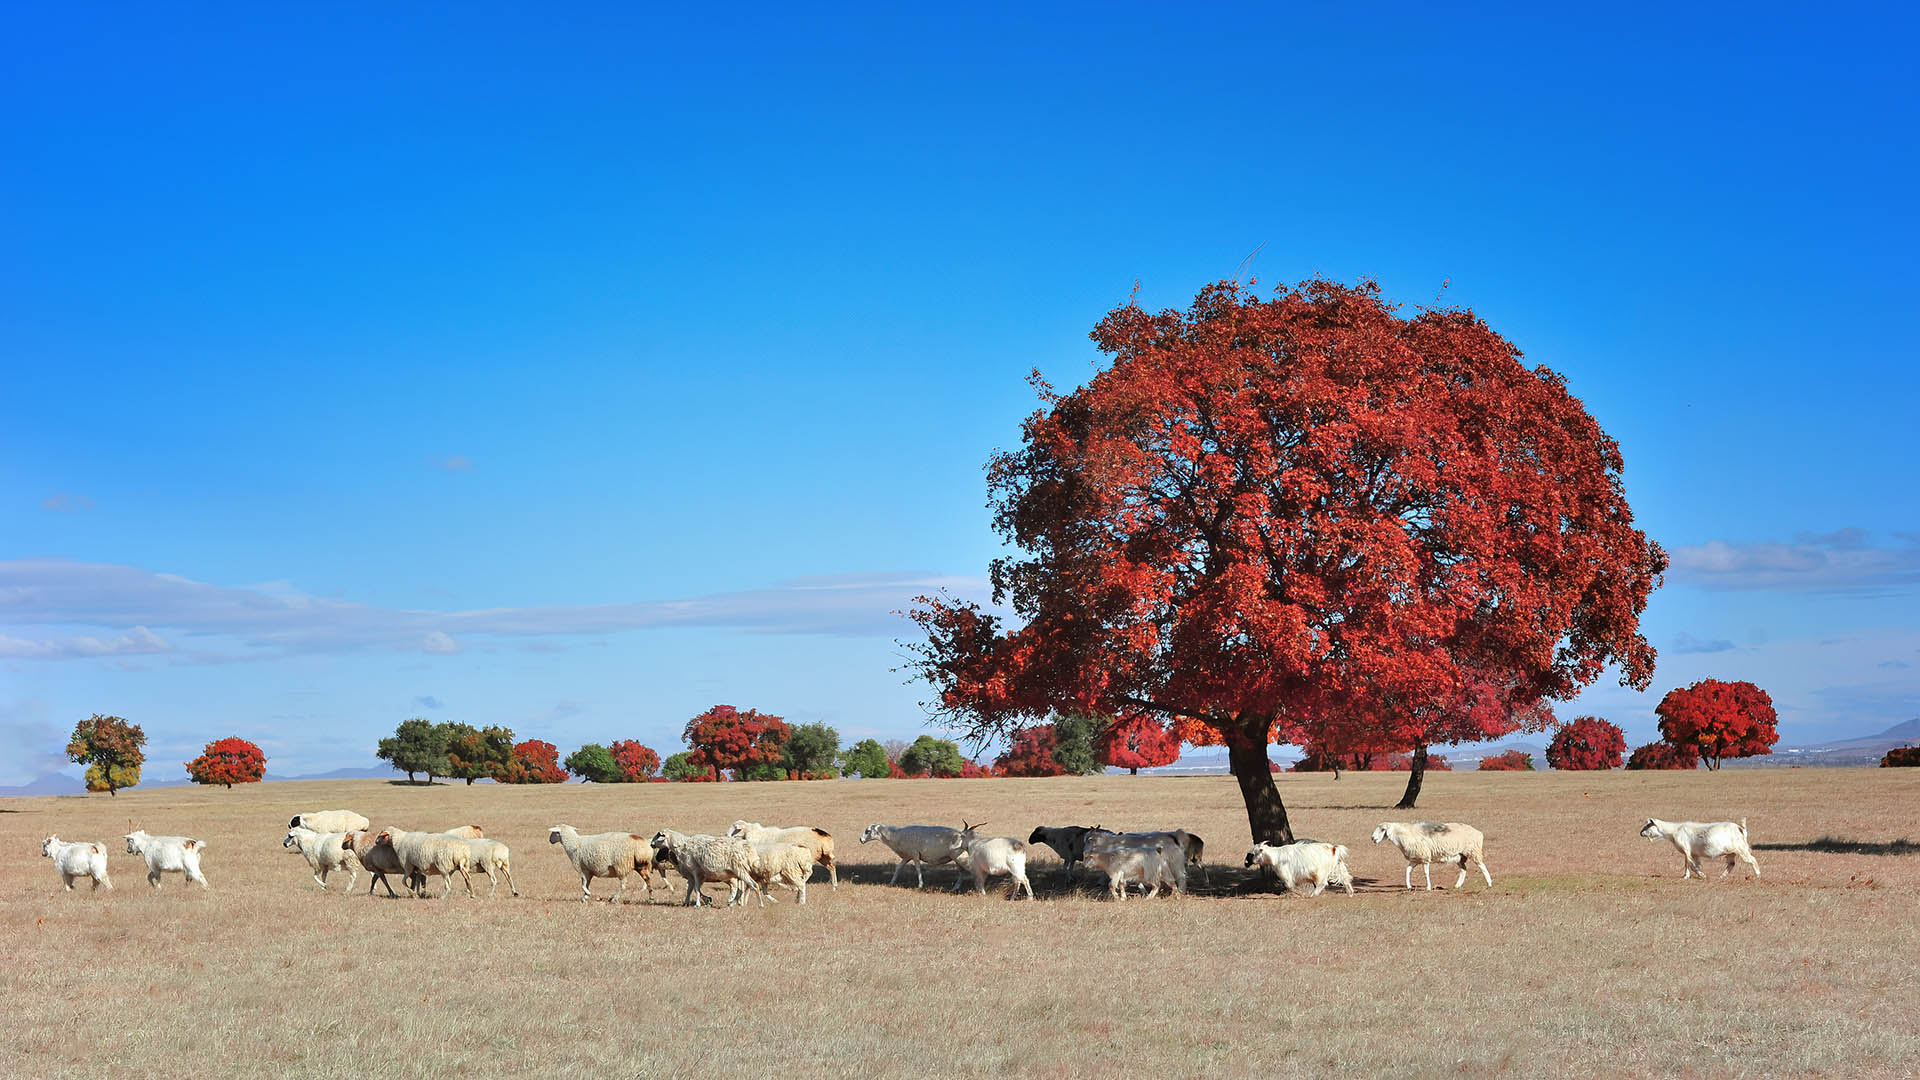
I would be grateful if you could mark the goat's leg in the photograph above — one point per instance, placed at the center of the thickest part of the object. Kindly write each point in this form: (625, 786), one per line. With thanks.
(1751, 865)
(897, 867)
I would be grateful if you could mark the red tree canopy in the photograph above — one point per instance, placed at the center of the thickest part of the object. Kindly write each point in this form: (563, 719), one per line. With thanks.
(1587, 743)
(534, 762)
(1140, 741)
(1659, 755)
(1268, 514)
(228, 761)
(1511, 761)
(1031, 754)
(1719, 720)
(725, 739)
(637, 761)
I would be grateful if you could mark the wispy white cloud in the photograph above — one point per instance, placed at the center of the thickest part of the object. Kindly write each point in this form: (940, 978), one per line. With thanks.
(100, 599)
(1840, 561)
(61, 502)
(1687, 643)
(457, 463)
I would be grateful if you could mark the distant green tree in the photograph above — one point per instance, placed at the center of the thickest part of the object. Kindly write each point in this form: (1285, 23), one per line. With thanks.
(478, 755)
(680, 767)
(811, 751)
(595, 763)
(417, 746)
(929, 756)
(1074, 742)
(113, 750)
(761, 770)
(868, 759)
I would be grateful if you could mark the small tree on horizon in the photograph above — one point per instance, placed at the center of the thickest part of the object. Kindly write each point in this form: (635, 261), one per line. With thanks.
(1719, 719)
(811, 752)
(726, 739)
(680, 768)
(636, 761)
(1511, 761)
(228, 761)
(417, 746)
(1138, 742)
(1588, 743)
(477, 755)
(112, 749)
(534, 761)
(868, 760)
(1032, 753)
(929, 756)
(1660, 755)
(594, 763)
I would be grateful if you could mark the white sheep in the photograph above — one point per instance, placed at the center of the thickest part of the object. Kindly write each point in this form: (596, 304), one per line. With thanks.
(1705, 840)
(1305, 861)
(921, 845)
(703, 859)
(491, 857)
(325, 853)
(167, 854)
(1427, 842)
(605, 855)
(991, 856)
(378, 859)
(423, 855)
(786, 865)
(1151, 864)
(81, 859)
(465, 832)
(817, 840)
(326, 821)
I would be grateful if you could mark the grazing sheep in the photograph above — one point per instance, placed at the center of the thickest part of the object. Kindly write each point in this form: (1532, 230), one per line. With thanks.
(82, 859)
(1067, 841)
(1427, 842)
(1306, 861)
(921, 845)
(1187, 844)
(491, 857)
(326, 821)
(1705, 840)
(325, 853)
(702, 859)
(423, 855)
(991, 856)
(379, 860)
(608, 855)
(786, 865)
(1150, 865)
(167, 854)
(817, 840)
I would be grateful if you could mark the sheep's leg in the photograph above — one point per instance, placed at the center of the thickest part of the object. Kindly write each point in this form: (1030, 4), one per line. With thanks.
(1463, 873)
(515, 889)
(1426, 868)
(620, 892)
(1409, 875)
(468, 879)
(353, 878)
(586, 887)
(1484, 872)
(1751, 865)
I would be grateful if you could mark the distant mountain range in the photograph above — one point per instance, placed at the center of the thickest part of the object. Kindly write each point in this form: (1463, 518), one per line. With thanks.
(57, 783)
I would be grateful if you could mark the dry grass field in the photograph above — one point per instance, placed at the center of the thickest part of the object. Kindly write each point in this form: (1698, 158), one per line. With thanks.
(1588, 957)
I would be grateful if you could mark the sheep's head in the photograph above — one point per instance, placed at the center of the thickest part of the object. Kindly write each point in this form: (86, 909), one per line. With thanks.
(662, 841)
(347, 841)
(553, 833)
(1254, 853)
(46, 846)
(1651, 830)
(384, 836)
(293, 839)
(1380, 832)
(871, 833)
(740, 828)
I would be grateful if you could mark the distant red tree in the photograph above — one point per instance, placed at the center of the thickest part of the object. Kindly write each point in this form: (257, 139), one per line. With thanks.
(1659, 755)
(637, 761)
(1369, 763)
(1588, 743)
(228, 762)
(1719, 720)
(534, 762)
(1140, 741)
(1511, 761)
(1901, 757)
(1031, 754)
(725, 739)
(973, 770)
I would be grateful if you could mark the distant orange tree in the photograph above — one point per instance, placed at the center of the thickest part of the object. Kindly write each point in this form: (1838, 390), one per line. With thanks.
(638, 762)
(1901, 757)
(1511, 761)
(112, 750)
(1719, 719)
(227, 762)
(534, 762)
(723, 738)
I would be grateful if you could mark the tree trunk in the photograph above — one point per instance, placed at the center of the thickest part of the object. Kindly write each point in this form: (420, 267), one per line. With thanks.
(1266, 814)
(1133, 772)
(1415, 775)
(410, 778)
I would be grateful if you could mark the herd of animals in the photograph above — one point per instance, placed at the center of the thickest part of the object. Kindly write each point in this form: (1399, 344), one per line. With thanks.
(754, 859)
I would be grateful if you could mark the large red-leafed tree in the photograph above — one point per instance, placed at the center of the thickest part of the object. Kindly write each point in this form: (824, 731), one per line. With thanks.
(535, 761)
(638, 761)
(1264, 511)
(1588, 743)
(1140, 741)
(725, 739)
(1718, 720)
(228, 761)
(1031, 754)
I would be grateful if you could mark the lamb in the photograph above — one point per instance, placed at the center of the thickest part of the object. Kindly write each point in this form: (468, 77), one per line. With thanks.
(1150, 865)
(379, 859)
(1306, 861)
(1427, 842)
(491, 857)
(608, 855)
(817, 840)
(993, 856)
(83, 859)
(921, 845)
(1067, 841)
(1705, 839)
(701, 859)
(167, 854)
(326, 821)
(325, 853)
(424, 854)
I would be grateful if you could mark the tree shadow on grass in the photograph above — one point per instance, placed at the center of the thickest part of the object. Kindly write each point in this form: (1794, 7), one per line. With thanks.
(1835, 845)
(414, 783)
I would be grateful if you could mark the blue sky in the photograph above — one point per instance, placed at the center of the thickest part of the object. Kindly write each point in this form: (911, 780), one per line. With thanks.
(577, 372)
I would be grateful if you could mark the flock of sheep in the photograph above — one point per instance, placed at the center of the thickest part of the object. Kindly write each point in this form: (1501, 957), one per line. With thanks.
(753, 859)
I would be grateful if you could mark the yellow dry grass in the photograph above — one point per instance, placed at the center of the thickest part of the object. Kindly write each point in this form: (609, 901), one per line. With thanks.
(1588, 957)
